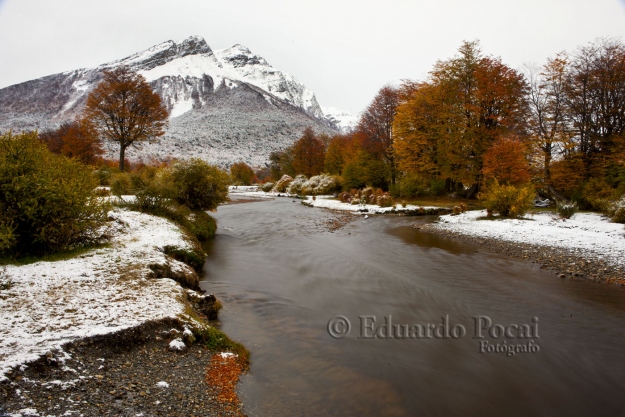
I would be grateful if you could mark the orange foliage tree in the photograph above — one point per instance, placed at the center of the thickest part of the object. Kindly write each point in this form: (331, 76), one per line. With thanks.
(77, 139)
(308, 153)
(125, 109)
(445, 126)
(506, 161)
(241, 173)
(376, 125)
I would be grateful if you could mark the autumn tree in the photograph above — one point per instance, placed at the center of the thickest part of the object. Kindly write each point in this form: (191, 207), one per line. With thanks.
(281, 163)
(308, 154)
(338, 153)
(506, 161)
(548, 121)
(447, 124)
(376, 123)
(78, 139)
(418, 126)
(125, 109)
(241, 173)
(595, 99)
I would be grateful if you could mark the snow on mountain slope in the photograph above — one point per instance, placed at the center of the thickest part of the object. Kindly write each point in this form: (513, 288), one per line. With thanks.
(343, 120)
(255, 70)
(253, 107)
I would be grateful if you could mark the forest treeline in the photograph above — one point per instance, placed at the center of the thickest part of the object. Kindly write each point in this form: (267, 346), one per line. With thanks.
(475, 123)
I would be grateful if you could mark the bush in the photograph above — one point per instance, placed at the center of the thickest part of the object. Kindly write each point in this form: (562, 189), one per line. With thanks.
(201, 225)
(321, 184)
(597, 193)
(121, 184)
(241, 174)
(617, 211)
(194, 258)
(437, 186)
(104, 174)
(411, 186)
(267, 187)
(47, 201)
(295, 186)
(508, 200)
(198, 185)
(283, 184)
(367, 196)
(566, 210)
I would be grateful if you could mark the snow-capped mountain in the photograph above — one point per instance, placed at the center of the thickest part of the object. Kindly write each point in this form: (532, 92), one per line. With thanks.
(344, 120)
(225, 105)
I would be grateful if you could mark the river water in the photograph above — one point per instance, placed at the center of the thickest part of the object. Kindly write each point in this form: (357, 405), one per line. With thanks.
(282, 276)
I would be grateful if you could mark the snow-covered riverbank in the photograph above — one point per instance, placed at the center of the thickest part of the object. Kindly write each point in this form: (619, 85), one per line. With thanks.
(47, 304)
(587, 244)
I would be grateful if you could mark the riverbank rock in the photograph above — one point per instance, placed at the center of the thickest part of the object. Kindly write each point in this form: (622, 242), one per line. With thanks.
(207, 305)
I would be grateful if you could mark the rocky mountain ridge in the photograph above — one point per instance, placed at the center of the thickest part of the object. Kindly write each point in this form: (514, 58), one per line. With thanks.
(225, 105)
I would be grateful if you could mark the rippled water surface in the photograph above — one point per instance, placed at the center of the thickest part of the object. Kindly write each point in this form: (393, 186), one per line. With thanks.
(282, 276)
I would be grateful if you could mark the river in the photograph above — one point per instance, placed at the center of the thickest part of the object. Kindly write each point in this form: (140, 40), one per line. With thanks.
(282, 276)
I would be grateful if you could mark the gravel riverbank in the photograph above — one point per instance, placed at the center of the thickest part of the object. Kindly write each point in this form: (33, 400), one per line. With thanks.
(572, 263)
(129, 373)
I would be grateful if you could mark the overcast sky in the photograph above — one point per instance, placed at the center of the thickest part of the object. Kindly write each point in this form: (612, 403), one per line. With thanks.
(343, 50)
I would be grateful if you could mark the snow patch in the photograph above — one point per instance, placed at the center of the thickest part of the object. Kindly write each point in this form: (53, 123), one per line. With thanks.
(99, 292)
(177, 345)
(589, 232)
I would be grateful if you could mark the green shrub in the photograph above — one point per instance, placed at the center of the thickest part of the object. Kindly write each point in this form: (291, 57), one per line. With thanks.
(121, 184)
(195, 258)
(598, 193)
(508, 200)
(104, 174)
(202, 225)
(566, 210)
(7, 236)
(198, 185)
(412, 185)
(47, 201)
(266, 187)
(437, 186)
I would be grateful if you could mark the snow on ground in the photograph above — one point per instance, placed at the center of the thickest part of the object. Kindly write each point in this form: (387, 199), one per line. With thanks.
(49, 304)
(330, 203)
(590, 232)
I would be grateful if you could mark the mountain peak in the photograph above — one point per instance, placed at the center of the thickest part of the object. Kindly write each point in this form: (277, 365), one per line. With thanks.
(162, 53)
(240, 56)
(192, 45)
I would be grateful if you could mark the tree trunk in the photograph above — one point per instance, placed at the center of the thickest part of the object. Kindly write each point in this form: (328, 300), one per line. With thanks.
(557, 195)
(472, 191)
(547, 171)
(122, 152)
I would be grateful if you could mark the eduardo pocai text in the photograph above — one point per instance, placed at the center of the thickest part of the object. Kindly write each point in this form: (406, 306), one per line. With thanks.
(491, 337)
